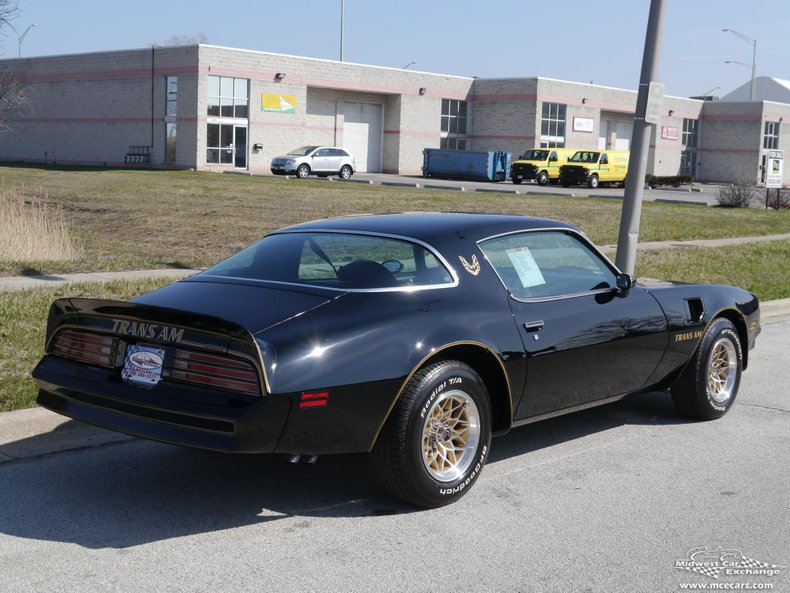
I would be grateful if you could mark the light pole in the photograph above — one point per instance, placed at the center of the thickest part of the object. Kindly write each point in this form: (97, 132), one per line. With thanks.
(20, 38)
(753, 42)
(342, 19)
(406, 67)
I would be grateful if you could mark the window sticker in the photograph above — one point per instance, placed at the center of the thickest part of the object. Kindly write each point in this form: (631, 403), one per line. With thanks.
(526, 267)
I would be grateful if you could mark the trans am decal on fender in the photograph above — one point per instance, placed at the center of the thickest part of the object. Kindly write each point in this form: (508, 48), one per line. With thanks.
(363, 334)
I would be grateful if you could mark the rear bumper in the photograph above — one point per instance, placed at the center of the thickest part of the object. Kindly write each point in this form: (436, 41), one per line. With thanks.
(170, 413)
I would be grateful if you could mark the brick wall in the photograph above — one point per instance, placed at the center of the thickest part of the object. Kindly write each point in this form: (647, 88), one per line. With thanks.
(90, 108)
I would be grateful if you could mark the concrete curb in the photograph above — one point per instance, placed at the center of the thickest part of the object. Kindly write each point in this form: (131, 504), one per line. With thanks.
(36, 432)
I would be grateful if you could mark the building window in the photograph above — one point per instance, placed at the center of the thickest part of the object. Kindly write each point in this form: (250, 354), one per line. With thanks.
(219, 144)
(552, 125)
(170, 142)
(171, 111)
(690, 141)
(171, 84)
(690, 137)
(226, 129)
(688, 162)
(771, 136)
(228, 97)
(454, 124)
(454, 116)
(450, 143)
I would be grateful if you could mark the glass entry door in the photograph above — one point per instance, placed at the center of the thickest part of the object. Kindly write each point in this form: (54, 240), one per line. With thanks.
(226, 144)
(240, 147)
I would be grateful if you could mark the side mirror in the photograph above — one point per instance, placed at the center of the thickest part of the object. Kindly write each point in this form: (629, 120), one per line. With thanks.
(625, 282)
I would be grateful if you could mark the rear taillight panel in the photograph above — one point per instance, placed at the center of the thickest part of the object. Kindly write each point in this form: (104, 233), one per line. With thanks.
(217, 371)
(214, 371)
(87, 347)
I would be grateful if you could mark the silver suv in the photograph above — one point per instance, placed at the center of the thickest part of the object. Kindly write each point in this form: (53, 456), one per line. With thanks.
(315, 160)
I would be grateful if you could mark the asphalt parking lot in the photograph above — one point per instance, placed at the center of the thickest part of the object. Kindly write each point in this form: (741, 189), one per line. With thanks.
(608, 499)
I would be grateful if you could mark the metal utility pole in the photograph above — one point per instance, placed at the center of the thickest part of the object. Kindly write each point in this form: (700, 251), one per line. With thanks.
(640, 142)
(342, 15)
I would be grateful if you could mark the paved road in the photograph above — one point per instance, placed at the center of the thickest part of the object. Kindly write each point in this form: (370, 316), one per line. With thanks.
(606, 500)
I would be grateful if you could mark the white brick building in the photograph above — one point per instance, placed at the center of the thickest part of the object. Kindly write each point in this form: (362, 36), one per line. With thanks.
(211, 108)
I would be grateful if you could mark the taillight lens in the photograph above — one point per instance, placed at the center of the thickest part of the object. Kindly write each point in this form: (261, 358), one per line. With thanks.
(215, 371)
(86, 347)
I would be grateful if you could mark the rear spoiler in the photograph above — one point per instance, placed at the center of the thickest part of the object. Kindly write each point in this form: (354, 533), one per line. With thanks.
(156, 324)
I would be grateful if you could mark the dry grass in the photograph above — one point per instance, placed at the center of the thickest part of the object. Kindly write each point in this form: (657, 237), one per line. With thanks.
(31, 230)
(127, 219)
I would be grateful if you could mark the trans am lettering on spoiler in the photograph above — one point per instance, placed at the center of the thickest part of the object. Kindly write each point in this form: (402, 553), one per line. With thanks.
(150, 331)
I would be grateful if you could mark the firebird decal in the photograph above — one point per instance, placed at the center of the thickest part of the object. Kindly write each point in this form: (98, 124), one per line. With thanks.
(473, 268)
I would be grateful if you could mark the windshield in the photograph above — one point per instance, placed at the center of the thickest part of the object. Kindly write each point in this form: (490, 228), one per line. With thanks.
(536, 155)
(341, 261)
(302, 150)
(584, 156)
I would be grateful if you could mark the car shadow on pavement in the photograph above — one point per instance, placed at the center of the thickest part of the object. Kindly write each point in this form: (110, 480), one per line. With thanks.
(655, 408)
(135, 492)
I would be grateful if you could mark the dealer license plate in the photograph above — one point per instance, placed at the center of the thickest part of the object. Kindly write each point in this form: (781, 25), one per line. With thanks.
(143, 365)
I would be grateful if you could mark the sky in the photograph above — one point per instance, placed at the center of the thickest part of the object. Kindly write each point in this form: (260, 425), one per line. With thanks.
(576, 40)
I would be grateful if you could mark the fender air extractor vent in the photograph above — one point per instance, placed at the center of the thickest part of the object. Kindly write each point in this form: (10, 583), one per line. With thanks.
(696, 309)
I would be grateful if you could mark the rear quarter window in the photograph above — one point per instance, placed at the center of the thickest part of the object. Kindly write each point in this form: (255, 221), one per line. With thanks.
(337, 260)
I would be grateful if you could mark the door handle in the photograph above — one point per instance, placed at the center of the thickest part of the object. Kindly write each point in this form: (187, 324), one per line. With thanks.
(534, 326)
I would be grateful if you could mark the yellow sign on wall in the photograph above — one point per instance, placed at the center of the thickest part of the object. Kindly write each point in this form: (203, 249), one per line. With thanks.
(279, 103)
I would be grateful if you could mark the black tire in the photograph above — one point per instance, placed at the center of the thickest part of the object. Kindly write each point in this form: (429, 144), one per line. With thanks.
(444, 404)
(345, 172)
(517, 179)
(709, 384)
(593, 182)
(565, 183)
(302, 171)
(543, 178)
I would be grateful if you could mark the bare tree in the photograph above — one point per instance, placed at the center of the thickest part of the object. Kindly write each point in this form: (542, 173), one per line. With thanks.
(13, 98)
(8, 10)
(12, 92)
(189, 39)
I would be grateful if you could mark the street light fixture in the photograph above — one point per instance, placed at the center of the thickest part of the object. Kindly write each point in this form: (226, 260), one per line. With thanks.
(20, 38)
(753, 43)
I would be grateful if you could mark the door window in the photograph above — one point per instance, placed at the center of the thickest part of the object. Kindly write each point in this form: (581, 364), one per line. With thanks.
(240, 147)
(547, 264)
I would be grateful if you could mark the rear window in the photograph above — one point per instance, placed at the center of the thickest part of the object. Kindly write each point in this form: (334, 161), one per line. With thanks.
(343, 261)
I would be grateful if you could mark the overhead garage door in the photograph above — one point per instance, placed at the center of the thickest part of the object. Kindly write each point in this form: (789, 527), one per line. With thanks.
(362, 135)
(623, 131)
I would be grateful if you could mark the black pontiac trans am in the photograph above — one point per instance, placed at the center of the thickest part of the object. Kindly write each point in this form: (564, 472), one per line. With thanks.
(414, 337)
